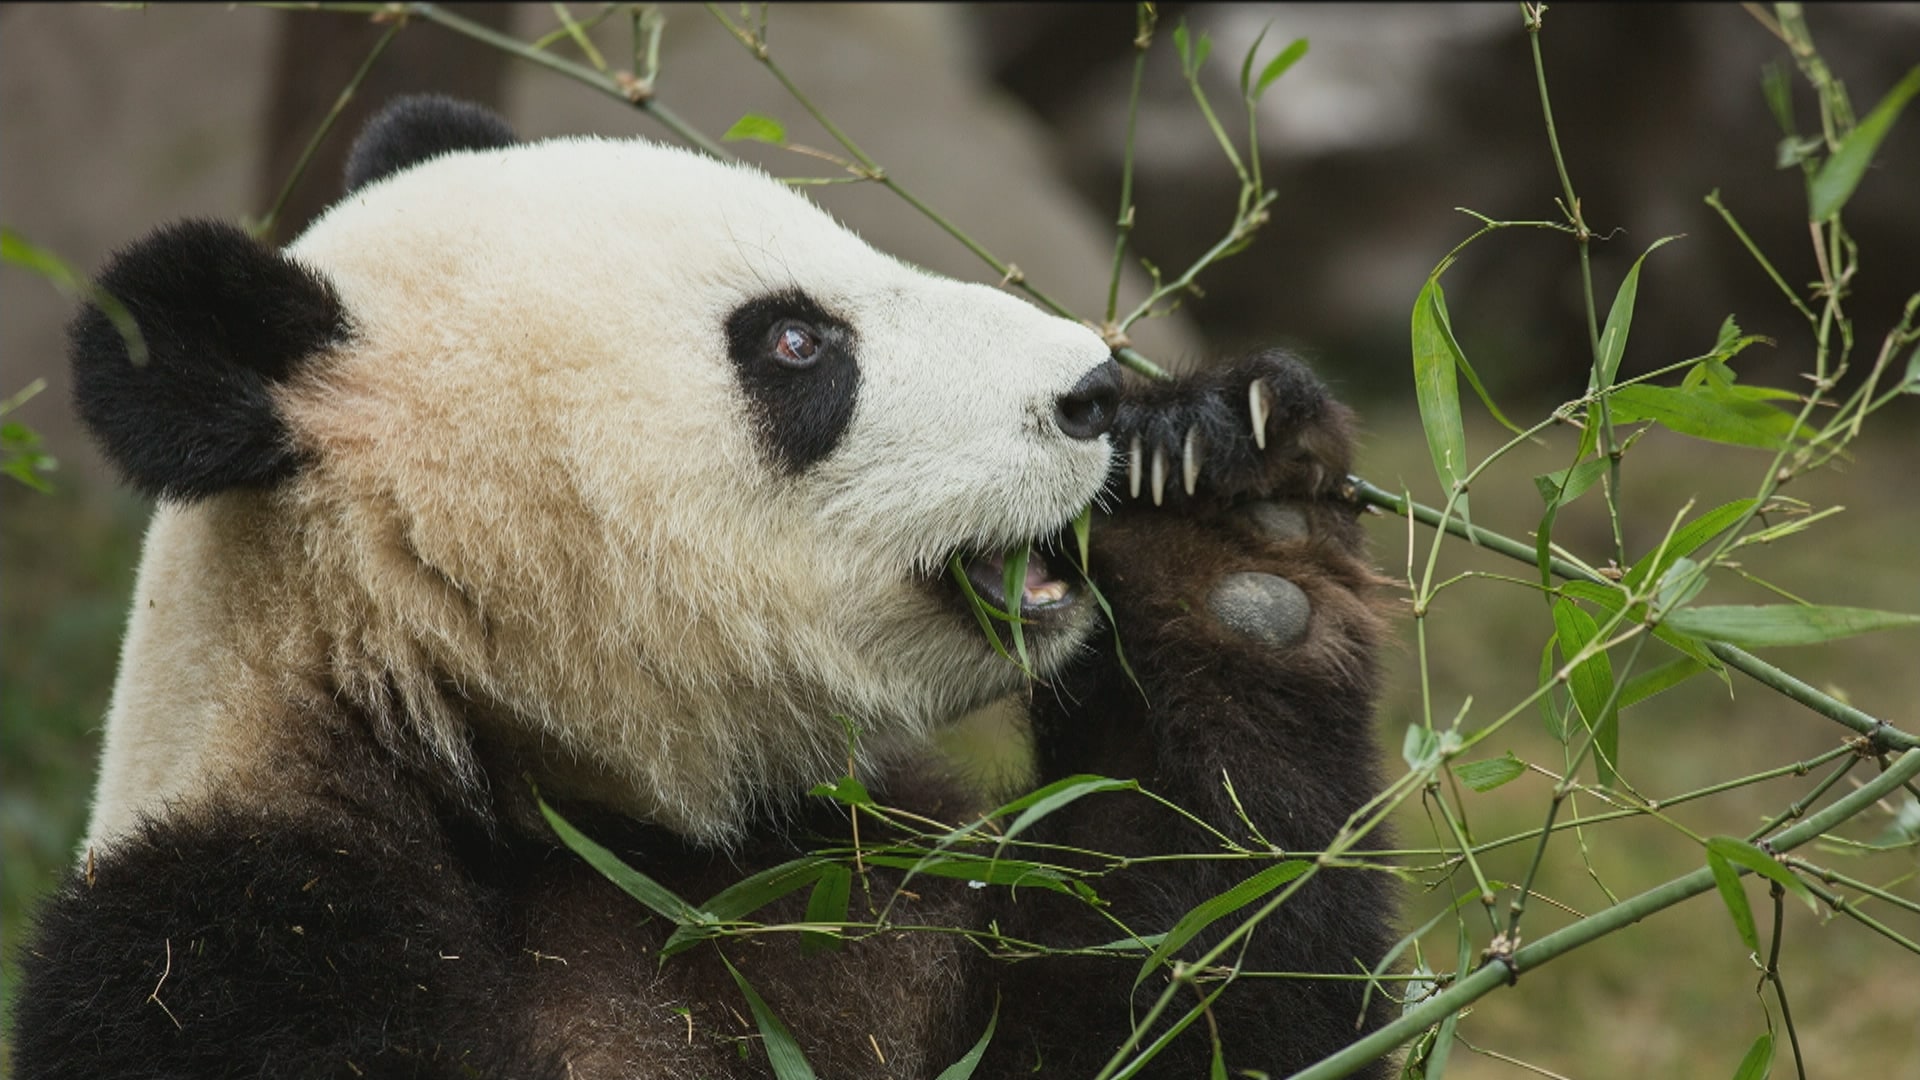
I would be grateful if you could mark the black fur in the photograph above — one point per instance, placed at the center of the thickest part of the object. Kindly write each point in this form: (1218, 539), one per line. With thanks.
(419, 128)
(800, 414)
(1214, 406)
(349, 938)
(224, 318)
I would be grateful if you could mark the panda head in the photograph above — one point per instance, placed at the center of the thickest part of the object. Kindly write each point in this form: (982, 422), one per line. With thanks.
(629, 460)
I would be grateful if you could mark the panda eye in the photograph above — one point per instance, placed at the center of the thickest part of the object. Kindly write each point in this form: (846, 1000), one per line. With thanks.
(796, 346)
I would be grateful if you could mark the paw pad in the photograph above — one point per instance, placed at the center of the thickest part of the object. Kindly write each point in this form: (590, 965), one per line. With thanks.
(1276, 521)
(1265, 607)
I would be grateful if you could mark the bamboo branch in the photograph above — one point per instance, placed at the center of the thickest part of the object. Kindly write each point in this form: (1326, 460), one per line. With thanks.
(1489, 977)
(1881, 735)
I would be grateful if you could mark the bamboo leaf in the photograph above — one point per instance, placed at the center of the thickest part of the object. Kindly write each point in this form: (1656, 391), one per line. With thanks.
(1491, 773)
(1734, 895)
(782, 1052)
(1741, 853)
(1613, 339)
(748, 895)
(1014, 588)
(1246, 64)
(827, 904)
(1665, 677)
(1841, 173)
(655, 896)
(1777, 86)
(1119, 651)
(1561, 488)
(1739, 416)
(19, 251)
(1591, 681)
(1730, 342)
(962, 1069)
(983, 612)
(1759, 1060)
(1420, 748)
(1278, 66)
(1549, 711)
(1783, 624)
(1082, 533)
(1678, 586)
(1212, 910)
(846, 790)
(1614, 600)
(756, 891)
(754, 127)
(1690, 538)
(1038, 804)
(1438, 391)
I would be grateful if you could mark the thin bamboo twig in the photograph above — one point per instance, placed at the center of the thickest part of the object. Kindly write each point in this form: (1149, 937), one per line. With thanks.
(1779, 893)
(1477, 984)
(264, 229)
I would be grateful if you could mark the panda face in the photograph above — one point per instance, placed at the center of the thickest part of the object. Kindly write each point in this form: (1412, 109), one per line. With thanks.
(664, 467)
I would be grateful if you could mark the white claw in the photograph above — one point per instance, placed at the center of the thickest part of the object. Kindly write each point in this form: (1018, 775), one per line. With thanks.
(1258, 403)
(1190, 459)
(1133, 469)
(1159, 473)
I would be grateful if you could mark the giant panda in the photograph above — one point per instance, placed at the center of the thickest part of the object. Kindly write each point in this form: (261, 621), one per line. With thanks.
(609, 472)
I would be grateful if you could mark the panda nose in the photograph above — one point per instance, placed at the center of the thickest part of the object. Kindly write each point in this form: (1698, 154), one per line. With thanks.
(1087, 410)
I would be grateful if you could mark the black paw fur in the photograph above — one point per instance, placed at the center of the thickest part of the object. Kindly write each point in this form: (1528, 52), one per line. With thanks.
(1259, 427)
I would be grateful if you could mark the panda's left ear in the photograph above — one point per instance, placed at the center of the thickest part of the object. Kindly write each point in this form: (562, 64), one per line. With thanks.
(421, 127)
(224, 319)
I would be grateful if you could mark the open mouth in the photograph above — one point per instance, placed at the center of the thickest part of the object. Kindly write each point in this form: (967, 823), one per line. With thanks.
(1044, 597)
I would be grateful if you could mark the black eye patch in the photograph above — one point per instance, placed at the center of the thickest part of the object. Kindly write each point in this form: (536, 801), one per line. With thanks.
(796, 364)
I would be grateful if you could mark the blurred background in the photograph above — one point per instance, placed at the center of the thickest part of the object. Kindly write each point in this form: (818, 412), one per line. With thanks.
(1010, 119)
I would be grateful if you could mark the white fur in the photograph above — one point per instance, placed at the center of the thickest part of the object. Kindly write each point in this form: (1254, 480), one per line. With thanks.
(534, 475)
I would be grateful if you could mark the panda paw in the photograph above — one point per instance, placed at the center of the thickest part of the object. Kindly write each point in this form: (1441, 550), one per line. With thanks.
(1229, 497)
(1259, 428)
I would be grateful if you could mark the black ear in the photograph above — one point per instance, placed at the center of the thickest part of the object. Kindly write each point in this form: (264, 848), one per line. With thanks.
(414, 129)
(224, 318)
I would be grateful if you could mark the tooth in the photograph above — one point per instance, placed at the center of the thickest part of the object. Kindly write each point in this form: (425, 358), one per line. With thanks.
(1257, 403)
(1190, 459)
(1050, 593)
(1159, 473)
(1133, 469)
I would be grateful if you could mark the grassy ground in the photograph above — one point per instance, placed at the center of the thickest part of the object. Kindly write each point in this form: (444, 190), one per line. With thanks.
(1671, 997)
